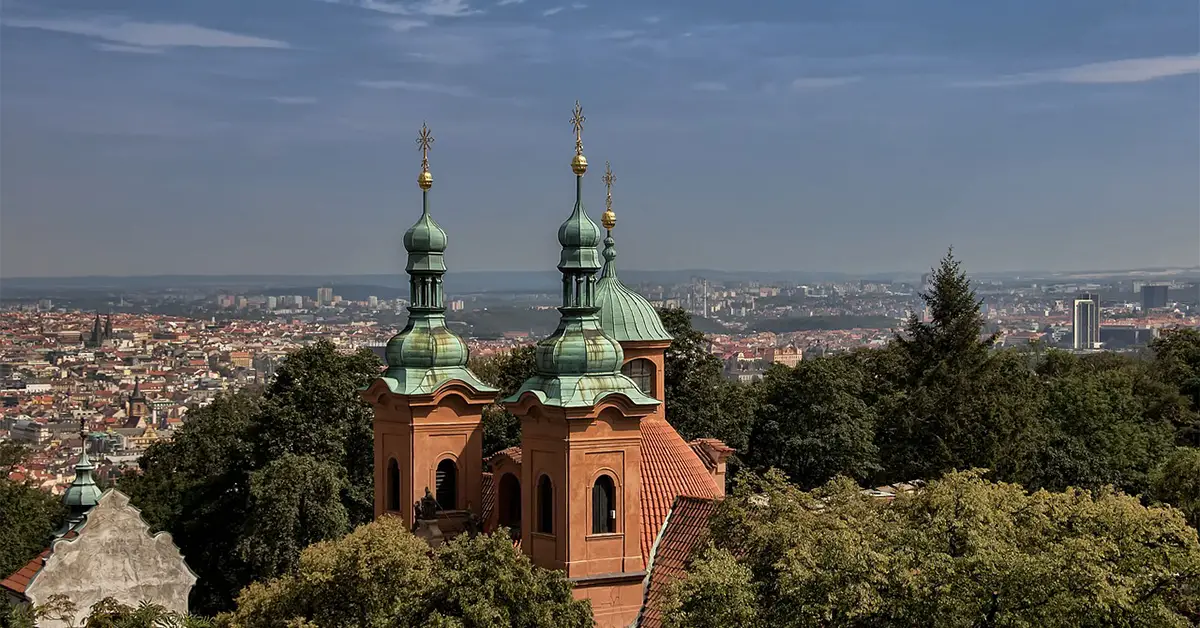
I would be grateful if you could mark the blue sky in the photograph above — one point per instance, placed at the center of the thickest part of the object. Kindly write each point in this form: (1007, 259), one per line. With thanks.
(277, 136)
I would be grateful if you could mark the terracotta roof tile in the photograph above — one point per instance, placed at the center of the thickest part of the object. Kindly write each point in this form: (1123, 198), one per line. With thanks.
(488, 487)
(670, 468)
(511, 452)
(685, 530)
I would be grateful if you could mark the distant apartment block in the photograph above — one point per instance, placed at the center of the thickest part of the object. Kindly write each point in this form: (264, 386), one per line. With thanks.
(1154, 297)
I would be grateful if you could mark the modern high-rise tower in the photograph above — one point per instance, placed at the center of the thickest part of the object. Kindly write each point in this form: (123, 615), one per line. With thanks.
(1153, 297)
(1085, 321)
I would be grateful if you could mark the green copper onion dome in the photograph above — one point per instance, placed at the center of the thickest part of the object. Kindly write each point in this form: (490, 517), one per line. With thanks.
(83, 493)
(426, 354)
(624, 314)
(579, 364)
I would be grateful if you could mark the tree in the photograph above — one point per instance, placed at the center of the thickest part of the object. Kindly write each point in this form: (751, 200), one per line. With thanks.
(300, 455)
(1177, 482)
(813, 424)
(381, 575)
(718, 591)
(961, 552)
(28, 516)
(507, 372)
(948, 409)
(1177, 361)
(700, 402)
(107, 613)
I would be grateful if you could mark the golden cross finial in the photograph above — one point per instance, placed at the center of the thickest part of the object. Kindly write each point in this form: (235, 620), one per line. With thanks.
(608, 181)
(424, 143)
(577, 121)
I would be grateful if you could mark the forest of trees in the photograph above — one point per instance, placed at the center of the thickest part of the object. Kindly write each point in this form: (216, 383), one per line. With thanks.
(259, 475)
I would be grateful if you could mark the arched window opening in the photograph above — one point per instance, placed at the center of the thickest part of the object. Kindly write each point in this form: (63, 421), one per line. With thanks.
(446, 479)
(604, 506)
(545, 505)
(392, 485)
(509, 502)
(641, 371)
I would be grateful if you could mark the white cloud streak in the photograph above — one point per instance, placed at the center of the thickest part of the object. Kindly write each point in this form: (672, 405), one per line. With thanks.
(822, 82)
(147, 34)
(427, 8)
(1137, 70)
(141, 50)
(504, 3)
(411, 86)
(404, 25)
(294, 100)
(552, 11)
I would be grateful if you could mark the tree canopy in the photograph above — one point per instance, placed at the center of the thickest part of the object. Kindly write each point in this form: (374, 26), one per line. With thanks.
(963, 551)
(380, 575)
(253, 478)
(29, 516)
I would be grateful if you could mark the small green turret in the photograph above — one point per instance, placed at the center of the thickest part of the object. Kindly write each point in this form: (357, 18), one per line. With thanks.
(624, 314)
(83, 493)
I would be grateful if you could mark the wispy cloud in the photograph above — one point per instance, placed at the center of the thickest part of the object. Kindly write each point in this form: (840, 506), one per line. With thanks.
(429, 8)
(405, 25)
(141, 50)
(552, 11)
(504, 3)
(710, 86)
(579, 6)
(294, 100)
(822, 82)
(653, 19)
(411, 86)
(151, 35)
(1121, 71)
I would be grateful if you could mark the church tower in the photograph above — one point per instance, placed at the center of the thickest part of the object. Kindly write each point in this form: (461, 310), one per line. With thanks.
(428, 404)
(580, 437)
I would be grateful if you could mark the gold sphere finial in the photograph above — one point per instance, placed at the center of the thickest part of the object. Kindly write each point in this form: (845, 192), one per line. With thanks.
(424, 143)
(579, 163)
(608, 218)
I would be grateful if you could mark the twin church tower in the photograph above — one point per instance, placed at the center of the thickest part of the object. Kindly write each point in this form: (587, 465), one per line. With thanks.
(598, 469)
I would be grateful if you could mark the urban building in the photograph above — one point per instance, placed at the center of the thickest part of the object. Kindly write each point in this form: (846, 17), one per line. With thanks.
(1153, 296)
(324, 296)
(1085, 321)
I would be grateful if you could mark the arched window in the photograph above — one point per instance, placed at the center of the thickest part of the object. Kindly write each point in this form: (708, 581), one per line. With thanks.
(392, 486)
(446, 479)
(641, 371)
(545, 505)
(509, 502)
(604, 506)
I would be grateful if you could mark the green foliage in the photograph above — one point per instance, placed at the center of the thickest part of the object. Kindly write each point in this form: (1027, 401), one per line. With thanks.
(718, 591)
(28, 516)
(252, 478)
(813, 423)
(1177, 482)
(507, 372)
(961, 552)
(381, 575)
(1177, 361)
(700, 401)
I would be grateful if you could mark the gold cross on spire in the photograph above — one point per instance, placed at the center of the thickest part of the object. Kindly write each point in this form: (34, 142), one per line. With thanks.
(608, 218)
(608, 181)
(579, 163)
(424, 143)
(577, 121)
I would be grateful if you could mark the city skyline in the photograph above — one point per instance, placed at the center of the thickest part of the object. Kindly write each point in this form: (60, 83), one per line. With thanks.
(277, 138)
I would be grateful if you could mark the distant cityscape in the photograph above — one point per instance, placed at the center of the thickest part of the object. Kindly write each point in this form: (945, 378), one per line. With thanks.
(131, 365)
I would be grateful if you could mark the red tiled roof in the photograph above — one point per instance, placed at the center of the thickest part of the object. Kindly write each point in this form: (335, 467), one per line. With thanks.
(670, 469)
(683, 533)
(488, 486)
(18, 581)
(511, 452)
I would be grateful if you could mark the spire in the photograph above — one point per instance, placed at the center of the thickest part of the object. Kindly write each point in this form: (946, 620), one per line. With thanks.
(83, 492)
(624, 314)
(96, 330)
(107, 325)
(137, 388)
(579, 364)
(426, 353)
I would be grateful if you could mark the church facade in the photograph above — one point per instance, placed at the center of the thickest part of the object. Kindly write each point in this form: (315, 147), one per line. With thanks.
(599, 473)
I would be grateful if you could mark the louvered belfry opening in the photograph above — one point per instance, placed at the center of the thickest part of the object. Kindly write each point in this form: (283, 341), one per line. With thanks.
(604, 506)
(446, 479)
(641, 371)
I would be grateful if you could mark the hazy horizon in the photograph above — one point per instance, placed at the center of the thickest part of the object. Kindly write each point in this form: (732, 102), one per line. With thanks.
(277, 137)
